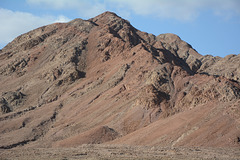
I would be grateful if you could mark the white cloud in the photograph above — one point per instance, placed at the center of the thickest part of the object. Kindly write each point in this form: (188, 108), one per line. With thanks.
(183, 10)
(61, 19)
(85, 8)
(177, 9)
(15, 23)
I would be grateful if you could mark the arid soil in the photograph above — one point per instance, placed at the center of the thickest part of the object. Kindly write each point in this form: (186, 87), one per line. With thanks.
(99, 83)
(96, 152)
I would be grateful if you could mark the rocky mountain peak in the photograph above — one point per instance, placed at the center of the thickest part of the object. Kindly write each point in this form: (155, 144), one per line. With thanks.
(107, 18)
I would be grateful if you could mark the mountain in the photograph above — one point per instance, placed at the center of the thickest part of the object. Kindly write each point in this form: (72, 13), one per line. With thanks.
(102, 81)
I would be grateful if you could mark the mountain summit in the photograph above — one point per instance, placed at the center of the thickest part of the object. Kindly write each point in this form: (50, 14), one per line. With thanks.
(102, 81)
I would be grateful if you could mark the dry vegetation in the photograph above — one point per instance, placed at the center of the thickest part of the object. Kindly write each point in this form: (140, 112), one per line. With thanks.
(105, 152)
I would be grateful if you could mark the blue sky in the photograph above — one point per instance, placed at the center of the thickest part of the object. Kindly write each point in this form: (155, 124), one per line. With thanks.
(210, 26)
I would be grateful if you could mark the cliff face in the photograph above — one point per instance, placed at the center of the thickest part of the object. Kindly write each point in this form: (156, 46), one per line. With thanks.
(103, 81)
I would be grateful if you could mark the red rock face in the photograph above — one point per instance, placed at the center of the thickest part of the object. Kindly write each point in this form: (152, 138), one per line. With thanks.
(103, 81)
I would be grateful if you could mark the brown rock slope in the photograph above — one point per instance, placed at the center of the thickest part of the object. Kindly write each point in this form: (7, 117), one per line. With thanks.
(103, 81)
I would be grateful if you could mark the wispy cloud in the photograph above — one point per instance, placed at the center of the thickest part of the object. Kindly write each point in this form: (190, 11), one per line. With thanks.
(61, 19)
(85, 8)
(16, 23)
(183, 10)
